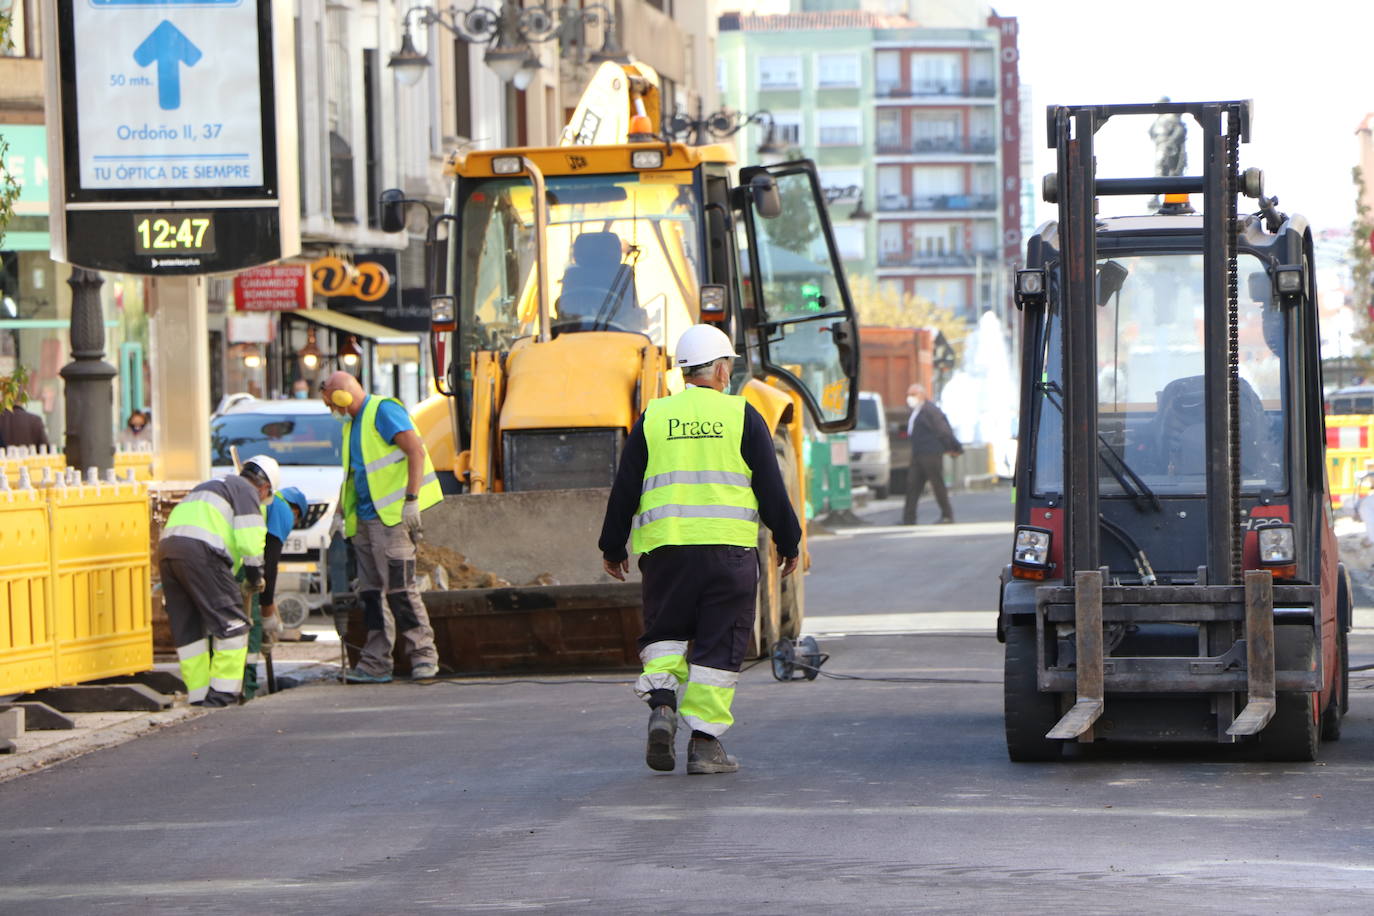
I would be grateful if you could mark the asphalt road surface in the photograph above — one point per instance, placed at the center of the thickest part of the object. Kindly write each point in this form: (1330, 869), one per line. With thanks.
(857, 796)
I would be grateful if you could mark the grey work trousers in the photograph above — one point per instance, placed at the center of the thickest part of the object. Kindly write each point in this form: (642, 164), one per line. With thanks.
(386, 564)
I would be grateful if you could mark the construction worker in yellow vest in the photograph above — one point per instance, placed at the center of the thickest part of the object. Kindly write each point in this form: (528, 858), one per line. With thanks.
(388, 482)
(212, 534)
(697, 474)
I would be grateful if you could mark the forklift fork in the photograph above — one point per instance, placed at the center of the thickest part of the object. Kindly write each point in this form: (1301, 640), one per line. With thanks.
(1259, 654)
(1088, 663)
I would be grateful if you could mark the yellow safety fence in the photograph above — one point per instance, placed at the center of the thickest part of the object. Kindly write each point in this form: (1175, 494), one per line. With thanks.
(45, 464)
(74, 583)
(1349, 456)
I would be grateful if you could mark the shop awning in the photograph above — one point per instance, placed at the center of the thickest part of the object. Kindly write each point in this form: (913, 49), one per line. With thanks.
(358, 327)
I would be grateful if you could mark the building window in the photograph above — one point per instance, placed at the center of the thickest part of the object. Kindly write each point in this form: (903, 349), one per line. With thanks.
(839, 127)
(19, 45)
(936, 74)
(787, 129)
(780, 72)
(946, 292)
(720, 74)
(837, 71)
(849, 239)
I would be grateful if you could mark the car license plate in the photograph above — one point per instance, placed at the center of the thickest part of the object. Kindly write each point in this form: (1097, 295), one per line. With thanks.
(294, 545)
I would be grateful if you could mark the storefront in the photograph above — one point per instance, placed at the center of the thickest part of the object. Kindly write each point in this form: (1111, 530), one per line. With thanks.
(35, 300)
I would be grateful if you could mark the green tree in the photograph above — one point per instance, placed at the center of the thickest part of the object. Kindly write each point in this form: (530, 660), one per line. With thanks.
(1362, 273)
(886, 306)
(9, 187)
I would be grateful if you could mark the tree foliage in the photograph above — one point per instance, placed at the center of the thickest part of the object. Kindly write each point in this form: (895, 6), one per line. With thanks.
(1362, 269)
(13, 389)
(9, 187)
(887, 306)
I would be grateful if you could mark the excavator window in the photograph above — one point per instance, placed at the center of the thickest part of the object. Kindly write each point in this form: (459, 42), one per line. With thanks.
(623, 253)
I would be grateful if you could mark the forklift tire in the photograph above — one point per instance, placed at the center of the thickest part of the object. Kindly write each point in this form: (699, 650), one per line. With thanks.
(1028, 713)
(1292, 735)
(1335, 711)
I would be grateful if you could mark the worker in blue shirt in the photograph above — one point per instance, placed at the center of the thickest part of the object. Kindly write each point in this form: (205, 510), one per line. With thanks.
(388, 481)
(287, 509)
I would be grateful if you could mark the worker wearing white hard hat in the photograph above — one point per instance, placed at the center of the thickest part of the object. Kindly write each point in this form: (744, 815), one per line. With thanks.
(697, 475)
(214, 533)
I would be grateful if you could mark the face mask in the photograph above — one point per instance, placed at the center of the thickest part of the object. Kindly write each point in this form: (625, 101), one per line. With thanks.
(913, 402)
(301, 395)
(135, 429)
(341, 416)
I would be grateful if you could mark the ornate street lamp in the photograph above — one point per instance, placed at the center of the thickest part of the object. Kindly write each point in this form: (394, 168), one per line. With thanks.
(508, 32)
(720, 125)
(850, 192)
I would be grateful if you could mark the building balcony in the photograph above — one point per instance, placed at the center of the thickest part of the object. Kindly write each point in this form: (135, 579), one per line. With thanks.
(938, 89)
(979, 146)
(937, 202)
(945, 259)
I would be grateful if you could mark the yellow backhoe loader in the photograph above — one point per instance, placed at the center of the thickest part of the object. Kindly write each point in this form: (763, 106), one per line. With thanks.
(562, 277)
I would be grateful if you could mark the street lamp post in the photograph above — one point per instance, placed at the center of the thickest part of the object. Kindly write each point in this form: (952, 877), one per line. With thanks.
(834, 194)
(720, 125)
(509, 31)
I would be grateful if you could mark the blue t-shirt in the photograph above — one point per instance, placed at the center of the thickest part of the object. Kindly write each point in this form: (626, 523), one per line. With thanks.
(280, 518)
(391, 419)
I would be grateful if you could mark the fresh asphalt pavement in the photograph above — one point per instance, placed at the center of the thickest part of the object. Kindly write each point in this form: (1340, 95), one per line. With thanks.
(856, 796)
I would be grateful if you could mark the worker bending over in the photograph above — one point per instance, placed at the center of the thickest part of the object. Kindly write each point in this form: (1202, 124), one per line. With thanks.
(286, 510)
(388, 481)
(696, 474)
(212, 534)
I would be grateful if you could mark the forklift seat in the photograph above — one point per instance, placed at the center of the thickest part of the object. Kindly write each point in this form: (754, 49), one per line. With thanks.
(1181, 429)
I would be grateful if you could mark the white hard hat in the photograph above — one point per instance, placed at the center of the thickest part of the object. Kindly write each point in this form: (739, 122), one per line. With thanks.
(701, 344)
(268, 466)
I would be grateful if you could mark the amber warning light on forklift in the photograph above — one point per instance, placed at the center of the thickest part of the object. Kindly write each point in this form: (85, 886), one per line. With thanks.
(443, 314)
(1030, 556)
(713, 303)
(1276, 551)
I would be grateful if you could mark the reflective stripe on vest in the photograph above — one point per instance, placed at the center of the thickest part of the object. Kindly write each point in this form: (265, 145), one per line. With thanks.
(388, 473)
(206, 517)
(697, 487)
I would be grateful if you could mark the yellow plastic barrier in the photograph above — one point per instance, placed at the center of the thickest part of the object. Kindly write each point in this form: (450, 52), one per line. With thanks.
(101, 580)
(28, 657)
(45, 463)
(140, 461)
(1349, 455)
(75, 601)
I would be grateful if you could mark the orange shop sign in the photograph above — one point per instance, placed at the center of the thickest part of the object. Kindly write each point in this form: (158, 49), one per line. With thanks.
(332, 276)
(274, 288)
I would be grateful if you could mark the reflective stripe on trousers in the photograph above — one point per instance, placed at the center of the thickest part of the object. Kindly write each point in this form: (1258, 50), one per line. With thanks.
(204, 668)
(665, 667)
(194, 661)
(706, 701)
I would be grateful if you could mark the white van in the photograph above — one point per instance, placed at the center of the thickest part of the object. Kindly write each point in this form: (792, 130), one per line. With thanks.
(870, 456)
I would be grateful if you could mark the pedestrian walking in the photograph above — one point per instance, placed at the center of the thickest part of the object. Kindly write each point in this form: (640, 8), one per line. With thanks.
(388, 482)
(19, 427)
(286, 510)
(931, 439)
(212, 534)
(696, 475)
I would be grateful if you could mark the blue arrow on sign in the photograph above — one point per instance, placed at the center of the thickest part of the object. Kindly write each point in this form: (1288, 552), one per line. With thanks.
(169, 48)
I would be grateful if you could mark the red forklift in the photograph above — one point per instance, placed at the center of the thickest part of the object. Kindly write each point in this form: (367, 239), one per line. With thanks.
(1174, 573)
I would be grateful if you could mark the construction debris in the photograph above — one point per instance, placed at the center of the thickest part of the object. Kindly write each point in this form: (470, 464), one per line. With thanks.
(442, 569)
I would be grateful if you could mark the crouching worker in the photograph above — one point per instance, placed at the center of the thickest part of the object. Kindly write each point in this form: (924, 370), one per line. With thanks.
(212, 534)
(286, 510)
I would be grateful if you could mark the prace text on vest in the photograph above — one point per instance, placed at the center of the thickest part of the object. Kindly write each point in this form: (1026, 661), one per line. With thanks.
(695, 429)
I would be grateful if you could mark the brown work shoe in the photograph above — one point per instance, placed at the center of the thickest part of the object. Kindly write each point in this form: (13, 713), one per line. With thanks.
(660, 752)
(706, 755)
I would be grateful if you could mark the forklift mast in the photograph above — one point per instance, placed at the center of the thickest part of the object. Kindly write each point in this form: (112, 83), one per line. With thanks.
(1225, 125)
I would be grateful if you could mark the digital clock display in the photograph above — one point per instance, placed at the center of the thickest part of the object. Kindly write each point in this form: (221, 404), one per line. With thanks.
(174, 233)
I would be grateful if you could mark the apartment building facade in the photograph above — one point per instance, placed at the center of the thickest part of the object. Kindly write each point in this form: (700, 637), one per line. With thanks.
(920, 125)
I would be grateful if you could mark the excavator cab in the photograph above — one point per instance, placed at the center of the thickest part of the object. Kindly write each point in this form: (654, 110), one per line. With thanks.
(1174, 574)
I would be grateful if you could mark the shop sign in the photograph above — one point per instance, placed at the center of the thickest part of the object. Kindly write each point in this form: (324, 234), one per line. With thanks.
(275, 288)
(365, 279)
(27, 163)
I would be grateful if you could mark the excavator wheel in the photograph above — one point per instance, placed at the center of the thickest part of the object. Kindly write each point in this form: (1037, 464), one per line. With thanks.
(1292, 735)
(1029, 714)
(767, 613)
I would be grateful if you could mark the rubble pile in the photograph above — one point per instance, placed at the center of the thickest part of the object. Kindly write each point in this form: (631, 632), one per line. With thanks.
(440, 568)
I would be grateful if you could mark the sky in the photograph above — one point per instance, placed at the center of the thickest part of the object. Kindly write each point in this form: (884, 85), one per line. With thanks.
(1307, 64)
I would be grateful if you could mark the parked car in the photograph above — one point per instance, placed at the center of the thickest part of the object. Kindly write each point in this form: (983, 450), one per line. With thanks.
(307, 443)
(870, 454)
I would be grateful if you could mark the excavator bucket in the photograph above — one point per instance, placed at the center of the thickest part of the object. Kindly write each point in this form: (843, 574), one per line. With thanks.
(526, 589)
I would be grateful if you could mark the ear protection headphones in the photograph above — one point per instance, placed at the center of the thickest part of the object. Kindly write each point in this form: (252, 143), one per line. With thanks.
(340, 398)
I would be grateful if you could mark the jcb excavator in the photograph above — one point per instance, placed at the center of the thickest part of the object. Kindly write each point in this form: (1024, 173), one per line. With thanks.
(562, 278)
